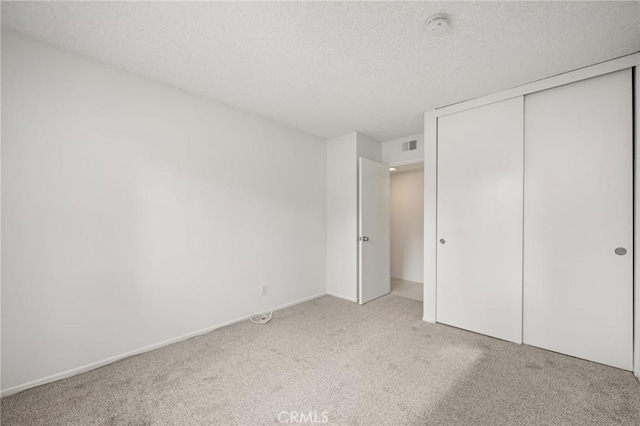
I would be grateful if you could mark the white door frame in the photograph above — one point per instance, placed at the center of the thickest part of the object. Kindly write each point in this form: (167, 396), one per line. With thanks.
(407, 162)
(431, 172)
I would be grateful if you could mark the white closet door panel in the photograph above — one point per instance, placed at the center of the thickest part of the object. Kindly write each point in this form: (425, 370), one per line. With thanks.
(578, 293)
(479, 267)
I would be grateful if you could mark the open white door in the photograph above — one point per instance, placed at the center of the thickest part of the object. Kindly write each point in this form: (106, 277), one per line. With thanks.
(373, 227)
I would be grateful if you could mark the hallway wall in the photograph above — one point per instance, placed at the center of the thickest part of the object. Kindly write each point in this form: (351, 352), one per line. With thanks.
(407, 225)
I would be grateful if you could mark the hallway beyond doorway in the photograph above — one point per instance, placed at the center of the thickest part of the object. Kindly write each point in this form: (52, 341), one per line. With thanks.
(408, 289)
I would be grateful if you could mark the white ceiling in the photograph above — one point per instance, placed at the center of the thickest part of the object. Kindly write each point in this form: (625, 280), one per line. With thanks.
(330, 68)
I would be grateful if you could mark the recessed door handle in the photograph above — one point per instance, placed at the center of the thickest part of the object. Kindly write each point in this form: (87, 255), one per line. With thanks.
(620, 251)
(365, 238)
(442, 241)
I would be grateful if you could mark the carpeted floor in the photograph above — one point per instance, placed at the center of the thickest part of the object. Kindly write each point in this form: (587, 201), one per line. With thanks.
(377, 364)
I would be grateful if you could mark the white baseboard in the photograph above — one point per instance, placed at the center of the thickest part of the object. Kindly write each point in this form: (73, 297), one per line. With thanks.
(340, 296)
(431, 320)
(97, 364)
(409, 281)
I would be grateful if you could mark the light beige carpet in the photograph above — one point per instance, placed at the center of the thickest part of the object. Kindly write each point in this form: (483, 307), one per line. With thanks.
(376, 364)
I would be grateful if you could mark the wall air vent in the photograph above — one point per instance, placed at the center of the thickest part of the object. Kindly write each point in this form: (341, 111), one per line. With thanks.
(410, 145)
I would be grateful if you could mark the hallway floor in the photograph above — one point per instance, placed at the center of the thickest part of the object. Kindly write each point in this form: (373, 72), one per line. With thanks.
(409, 289)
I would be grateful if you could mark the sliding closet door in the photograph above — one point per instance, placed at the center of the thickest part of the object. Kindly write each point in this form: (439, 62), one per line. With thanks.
(578, 241)
(479, 257)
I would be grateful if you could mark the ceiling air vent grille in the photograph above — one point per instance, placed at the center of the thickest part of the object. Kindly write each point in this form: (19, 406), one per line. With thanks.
(410, 145)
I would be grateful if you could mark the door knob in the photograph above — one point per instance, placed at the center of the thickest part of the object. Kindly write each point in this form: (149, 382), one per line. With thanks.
(365, 238)
(620, 251)
(442, 241)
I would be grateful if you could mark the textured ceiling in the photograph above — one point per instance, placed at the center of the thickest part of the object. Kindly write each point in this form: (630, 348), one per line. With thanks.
(330, 68)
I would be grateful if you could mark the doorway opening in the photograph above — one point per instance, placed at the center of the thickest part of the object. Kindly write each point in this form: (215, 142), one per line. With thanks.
(407, 230)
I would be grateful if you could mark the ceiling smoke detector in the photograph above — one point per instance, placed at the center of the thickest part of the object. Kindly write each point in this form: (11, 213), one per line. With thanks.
(438, 24)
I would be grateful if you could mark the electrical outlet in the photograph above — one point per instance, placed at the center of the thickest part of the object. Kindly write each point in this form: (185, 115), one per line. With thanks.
(265, 290)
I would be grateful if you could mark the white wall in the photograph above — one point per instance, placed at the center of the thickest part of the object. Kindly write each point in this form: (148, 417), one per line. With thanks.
(368, 148)
(342, 217)
(430, 215)
(134, 213)
(392, 152)
(407, 230)
(342, 210)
